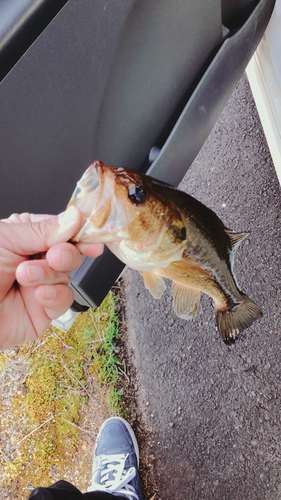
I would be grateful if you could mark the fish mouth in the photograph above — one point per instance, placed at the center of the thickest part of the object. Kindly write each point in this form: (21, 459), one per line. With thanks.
(92, 191)
(87, 190)
(102, 212)
(91, 178)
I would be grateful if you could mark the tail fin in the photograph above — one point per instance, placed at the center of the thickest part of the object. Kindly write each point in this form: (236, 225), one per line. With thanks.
(233, 321)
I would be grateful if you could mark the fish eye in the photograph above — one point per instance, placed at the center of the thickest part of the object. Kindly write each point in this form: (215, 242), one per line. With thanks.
(136, 194)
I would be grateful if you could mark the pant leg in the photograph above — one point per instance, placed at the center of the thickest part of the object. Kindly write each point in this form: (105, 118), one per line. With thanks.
(62, 490)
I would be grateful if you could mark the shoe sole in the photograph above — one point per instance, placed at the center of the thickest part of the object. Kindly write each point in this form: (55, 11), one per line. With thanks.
(131, 432)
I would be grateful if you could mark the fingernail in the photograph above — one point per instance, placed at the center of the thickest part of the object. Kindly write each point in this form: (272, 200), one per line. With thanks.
(34, 272)
(68, 217)
(48, 292)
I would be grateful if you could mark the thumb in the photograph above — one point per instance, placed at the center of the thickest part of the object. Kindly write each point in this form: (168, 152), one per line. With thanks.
(34, 237)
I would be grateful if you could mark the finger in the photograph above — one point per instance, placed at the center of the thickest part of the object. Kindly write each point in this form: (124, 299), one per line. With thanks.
(90, 249)
(64, 257)
(27, 217)
(32, 273)
(55, 299)
(8, 265)
(35, 237)
(11, 219)
(39, 217)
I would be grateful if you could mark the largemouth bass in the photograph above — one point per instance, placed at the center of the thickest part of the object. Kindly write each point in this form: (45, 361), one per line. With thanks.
(164, 232)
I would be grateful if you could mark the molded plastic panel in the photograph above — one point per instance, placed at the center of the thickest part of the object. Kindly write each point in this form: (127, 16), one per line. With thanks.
(101, 81)
(209, 98)
(264, 75)
(110, 80)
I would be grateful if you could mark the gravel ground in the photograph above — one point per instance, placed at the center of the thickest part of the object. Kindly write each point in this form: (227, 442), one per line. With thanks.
(214, 410)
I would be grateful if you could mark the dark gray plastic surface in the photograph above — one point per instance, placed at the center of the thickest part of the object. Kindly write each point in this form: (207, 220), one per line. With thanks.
(110, 80)
(101, 82)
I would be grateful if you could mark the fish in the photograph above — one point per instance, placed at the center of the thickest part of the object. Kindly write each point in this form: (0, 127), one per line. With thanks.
(165, 233)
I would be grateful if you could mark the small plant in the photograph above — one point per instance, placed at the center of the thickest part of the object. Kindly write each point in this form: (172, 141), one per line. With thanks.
(108, 371)
(114, 397)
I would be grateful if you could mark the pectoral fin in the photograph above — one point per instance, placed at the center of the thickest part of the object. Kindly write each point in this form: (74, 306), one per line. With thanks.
(154, 283)
(186, 301)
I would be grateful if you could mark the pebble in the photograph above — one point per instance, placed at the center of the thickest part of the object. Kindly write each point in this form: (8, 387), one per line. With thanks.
(171, 424)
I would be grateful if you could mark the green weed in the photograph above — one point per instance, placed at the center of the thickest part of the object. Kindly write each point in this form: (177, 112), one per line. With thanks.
(114, 397)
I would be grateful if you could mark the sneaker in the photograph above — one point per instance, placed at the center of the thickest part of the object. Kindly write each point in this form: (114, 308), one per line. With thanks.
(116, 460)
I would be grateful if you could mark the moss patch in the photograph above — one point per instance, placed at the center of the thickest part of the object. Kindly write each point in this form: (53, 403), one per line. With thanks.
(46, 385)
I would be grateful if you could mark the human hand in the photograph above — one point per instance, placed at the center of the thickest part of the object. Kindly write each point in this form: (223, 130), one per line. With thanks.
(34, 292)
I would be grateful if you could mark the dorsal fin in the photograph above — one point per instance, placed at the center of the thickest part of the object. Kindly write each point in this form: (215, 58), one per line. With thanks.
(235, 238)
(154, 283)
(185, 301)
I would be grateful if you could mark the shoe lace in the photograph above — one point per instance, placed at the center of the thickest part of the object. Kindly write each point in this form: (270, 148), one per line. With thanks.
(113, 477)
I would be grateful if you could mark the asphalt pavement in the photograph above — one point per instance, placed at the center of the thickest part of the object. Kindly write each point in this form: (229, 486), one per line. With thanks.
(214, 410)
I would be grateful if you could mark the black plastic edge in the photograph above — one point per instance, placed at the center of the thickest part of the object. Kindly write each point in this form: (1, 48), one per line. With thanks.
(95, 277)
(77, 307)
(20, 25)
